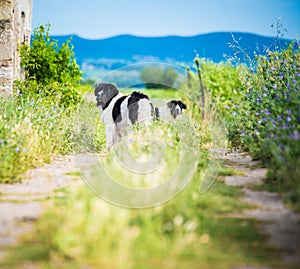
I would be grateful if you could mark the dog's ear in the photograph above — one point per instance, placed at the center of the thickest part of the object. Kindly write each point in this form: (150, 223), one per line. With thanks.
(181, 104)
(171, 103)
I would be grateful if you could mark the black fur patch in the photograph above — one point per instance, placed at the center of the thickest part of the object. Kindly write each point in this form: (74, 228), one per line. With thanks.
(116, 112)
(133, 108)
(133, 105)
(139, 95)
(181, 104)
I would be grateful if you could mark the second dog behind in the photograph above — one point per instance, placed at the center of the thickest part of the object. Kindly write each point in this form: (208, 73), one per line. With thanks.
(172, 109)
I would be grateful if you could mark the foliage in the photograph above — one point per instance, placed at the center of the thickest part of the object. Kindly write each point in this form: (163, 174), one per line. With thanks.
(31, 131)
(45, 62)
(36, 122)
(267, 119)
(49, 70)
(156, 77)
(222, 81)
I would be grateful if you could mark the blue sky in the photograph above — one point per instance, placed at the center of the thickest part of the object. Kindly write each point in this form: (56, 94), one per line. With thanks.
(106, 18)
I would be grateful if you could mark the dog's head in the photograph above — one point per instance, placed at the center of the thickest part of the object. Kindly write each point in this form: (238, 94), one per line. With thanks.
(104, 93)
(176, 107)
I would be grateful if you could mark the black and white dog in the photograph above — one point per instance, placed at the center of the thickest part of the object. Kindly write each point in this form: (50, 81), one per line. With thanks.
(172, 109)
(119, 111)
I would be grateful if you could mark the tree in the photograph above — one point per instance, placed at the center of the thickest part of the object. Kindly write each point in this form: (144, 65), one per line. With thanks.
(156, 77)
(169, 77)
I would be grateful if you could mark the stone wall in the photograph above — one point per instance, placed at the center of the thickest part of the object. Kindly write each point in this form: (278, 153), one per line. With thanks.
(15, 29)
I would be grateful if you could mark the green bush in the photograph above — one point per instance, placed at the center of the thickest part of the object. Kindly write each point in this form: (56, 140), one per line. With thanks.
(222, 81)
(45, 62)
(49, 70)
(31, 131)
(37, 122)
(267, 121)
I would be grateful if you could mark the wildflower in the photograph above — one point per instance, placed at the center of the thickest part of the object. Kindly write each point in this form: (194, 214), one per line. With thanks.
(190, 226)
(226, 107)
(288, 111)
(24, 150)
(267, 112)
(296, 135)
(242, 133)
(178, 220)
(17, 149)
(288, 119)
(233, 113)
(275, 86)
(264, 119)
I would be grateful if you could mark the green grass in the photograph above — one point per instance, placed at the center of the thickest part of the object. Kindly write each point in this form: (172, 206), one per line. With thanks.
(191, 230)
(159, 93)
(227, 171)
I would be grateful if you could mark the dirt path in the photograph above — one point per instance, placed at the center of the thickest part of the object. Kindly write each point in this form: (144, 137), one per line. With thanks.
(281, 224)
(22, 203)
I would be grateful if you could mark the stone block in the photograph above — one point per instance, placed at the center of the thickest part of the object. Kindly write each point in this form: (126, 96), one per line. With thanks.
(5, 53)
(6, 8)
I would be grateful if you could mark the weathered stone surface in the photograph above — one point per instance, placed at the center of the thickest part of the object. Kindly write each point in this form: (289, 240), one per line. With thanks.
(15, 29)
(5, 10)
(5, 53)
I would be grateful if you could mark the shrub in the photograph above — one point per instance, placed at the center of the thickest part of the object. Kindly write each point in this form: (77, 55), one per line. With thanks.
(31, 131)
(45, 62)
(267, 121)
(49, 70)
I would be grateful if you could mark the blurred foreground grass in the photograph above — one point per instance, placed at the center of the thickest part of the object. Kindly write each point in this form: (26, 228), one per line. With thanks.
(190, 231)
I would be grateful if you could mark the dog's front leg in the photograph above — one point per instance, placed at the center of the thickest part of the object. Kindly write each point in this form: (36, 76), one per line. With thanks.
(110, 135)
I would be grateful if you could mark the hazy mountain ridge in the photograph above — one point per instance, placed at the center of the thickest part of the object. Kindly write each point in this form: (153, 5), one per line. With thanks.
(212, 46)
(118, 51)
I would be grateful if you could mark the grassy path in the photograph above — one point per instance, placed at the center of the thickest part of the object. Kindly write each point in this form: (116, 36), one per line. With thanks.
(280, 223)
(22, 204)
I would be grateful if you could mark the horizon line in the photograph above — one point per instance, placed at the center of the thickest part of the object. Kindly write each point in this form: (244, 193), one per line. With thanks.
(171, 35)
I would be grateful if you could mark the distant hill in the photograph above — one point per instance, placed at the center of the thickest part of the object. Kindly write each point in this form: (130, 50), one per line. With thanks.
(115, 52)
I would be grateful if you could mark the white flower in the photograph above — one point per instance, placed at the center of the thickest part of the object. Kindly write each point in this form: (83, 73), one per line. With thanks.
(190, 226)
(178, 220)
